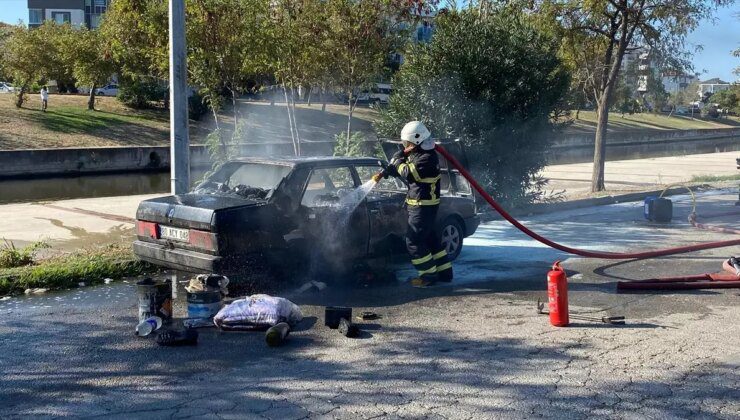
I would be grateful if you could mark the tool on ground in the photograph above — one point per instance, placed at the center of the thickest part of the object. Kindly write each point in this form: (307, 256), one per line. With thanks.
(347, 328)
(277, 334)
(170, 338)
(584, 253)
(368, 316)
(614, 320)
(557, 295)
(333, 314)
(701, 281)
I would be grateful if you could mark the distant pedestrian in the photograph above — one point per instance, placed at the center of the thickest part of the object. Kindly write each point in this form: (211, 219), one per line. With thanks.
(44, 98)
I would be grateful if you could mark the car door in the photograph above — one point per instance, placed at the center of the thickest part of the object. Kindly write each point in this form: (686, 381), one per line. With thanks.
(387, 217)
(335, 229)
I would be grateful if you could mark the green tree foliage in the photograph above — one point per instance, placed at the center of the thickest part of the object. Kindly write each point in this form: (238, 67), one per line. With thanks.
(87, 57)
(5, 32)
(136, 33)
(32, 55)
(727, 100)
(493, 81)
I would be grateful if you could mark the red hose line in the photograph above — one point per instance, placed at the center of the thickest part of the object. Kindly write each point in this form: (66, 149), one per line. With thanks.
(583, 253)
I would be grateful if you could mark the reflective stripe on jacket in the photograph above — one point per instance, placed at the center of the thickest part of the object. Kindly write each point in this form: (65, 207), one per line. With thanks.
(421, 170)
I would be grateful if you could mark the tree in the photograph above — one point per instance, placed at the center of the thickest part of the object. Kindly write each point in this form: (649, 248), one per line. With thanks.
(618, 27)
(5, 32)
(361, 38)
(728, 100)
(31, 55)
(492, 80)
(86, 55)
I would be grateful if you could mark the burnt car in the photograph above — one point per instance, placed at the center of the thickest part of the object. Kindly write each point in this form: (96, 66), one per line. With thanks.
(292, 212)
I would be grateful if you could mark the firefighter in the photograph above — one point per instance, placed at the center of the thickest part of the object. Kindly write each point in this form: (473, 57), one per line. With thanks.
(418, 164)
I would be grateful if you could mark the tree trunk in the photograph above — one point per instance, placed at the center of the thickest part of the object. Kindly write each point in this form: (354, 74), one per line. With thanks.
(236, 109)
(290, 121)
(323, 99)
(310, 91)
(91, 99)
(597, 176)
(19, 97)
(349, 117)
(295, 121)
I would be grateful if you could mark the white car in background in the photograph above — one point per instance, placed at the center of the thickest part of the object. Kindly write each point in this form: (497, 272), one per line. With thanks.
(109, 90)
(378, 94)
(6, 87)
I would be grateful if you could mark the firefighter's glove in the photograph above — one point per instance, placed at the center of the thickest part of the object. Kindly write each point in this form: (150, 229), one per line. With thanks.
(398, 157)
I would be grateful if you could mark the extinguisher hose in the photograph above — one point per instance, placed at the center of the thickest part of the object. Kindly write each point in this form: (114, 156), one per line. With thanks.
(581, 252)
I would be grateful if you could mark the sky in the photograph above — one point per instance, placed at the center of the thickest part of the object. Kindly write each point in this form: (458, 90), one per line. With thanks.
(719, 38)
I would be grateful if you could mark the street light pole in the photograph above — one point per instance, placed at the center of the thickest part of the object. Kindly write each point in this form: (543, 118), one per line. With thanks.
(179, 142)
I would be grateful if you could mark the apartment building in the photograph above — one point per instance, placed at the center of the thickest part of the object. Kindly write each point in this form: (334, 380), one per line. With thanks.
(75, 12)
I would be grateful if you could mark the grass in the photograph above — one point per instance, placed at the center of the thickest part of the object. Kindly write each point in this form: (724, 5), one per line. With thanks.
(11, 257)
(715, 178)
(91, 266)
(586, 122)
(68, 123)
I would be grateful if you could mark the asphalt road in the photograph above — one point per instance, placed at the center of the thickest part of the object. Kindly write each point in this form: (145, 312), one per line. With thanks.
(475, 349)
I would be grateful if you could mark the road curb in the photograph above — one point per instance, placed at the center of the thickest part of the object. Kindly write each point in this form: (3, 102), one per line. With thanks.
(542, 208)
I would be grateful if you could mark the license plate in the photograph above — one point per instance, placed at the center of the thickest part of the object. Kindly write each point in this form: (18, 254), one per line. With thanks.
(174, 234)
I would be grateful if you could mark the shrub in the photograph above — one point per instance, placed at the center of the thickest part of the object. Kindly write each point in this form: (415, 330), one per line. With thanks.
(140, 93)
(494, 82)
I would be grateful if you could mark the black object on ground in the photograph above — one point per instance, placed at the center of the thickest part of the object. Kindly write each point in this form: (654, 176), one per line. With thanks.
(171, 338)
(347, 328)
(368, 316)
(277, 334)
(332, 315)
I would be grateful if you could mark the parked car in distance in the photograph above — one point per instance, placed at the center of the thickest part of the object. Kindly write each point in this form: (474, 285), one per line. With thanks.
(292, 213)
(378, 94)
(109, 90)
(6, 87)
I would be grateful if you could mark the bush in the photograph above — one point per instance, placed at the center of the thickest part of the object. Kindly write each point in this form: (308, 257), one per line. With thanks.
(493, 82)
(140, 93)
(356, 146)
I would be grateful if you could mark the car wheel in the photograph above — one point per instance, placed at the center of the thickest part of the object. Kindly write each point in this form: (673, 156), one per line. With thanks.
(451, 235)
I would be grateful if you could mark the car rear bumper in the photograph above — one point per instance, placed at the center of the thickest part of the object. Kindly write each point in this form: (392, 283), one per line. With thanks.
(178, 259)
(471, 224)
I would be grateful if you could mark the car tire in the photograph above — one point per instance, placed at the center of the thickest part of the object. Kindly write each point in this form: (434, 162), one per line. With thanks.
(451, 235)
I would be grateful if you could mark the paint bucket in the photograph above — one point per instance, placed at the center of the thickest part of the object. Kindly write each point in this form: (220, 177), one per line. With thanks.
(204, 304)
(155, 299)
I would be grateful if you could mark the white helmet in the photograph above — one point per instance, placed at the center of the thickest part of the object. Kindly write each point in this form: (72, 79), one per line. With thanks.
(415, 132)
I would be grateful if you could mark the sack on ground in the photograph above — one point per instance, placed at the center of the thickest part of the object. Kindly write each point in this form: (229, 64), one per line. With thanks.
(257, 312)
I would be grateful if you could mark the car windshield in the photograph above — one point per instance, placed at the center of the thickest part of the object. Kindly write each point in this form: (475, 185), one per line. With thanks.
(249, 180)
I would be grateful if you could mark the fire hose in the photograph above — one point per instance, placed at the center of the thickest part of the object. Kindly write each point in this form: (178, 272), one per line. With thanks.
(583, 253)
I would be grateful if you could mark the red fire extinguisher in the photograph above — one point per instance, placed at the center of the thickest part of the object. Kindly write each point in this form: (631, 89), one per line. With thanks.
(557, 295)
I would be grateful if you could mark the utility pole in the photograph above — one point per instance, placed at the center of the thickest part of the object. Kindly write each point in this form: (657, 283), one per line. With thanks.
(179, 142)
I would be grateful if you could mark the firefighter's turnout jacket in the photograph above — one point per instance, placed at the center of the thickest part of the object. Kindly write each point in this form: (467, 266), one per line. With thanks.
(421, 170)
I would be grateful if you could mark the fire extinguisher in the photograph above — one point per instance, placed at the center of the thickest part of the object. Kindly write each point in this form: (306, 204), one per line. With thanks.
(557, 295)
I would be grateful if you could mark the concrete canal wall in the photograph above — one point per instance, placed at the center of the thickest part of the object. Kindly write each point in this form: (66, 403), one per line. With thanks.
(566, 149)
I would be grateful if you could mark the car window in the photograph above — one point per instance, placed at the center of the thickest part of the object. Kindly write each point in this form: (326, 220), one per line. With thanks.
(387, 184)
(326, 186)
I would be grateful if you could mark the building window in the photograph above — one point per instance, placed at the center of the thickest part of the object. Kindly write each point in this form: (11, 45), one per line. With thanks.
(61, 17)
(35, 16)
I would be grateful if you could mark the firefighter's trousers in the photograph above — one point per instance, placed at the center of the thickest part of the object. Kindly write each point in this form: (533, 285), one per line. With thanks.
(427, 253)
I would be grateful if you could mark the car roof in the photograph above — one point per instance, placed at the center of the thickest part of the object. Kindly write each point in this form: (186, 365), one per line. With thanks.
(309, 161)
